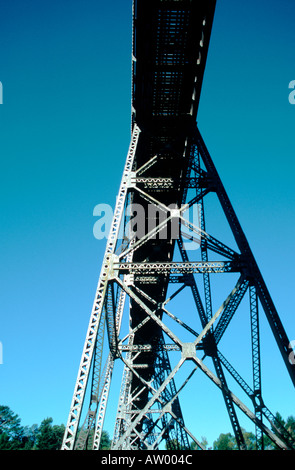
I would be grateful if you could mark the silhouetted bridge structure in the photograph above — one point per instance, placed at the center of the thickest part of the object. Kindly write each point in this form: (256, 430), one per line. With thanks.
(169, 171)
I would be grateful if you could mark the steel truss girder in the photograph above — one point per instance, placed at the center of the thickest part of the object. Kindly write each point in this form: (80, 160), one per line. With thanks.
(171, 183)
(216, 267)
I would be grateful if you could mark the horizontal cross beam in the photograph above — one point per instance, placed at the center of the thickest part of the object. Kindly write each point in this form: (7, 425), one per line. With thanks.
(177, 267)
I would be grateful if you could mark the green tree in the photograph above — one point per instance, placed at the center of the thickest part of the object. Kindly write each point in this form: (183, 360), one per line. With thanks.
(225, 442)
(30, 437)
(49, 437)
(290, 426)
(105, 441)
(204, 443)
(250, 440)
(5, 442)
(11, 431)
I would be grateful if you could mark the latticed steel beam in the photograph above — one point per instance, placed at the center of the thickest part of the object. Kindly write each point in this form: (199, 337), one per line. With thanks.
(230, 310)
(158, 183)
(83, 373)
(284, 435)
(216, 267)
(87, 430)
(253, 271)
(256, 365)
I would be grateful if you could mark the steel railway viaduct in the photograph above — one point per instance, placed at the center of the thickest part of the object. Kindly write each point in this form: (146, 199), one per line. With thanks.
(169, 171)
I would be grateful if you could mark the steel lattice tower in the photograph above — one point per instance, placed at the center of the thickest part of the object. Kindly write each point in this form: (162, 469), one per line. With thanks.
(141, 312)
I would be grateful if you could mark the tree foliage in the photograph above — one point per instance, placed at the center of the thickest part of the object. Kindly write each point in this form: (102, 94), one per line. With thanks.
(105, 441)
(225, 442)
(14, 436)
(49, 437)
(228, 442)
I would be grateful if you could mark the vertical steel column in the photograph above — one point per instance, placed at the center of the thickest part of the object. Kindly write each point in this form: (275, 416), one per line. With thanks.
(256, 366)
(252, 269)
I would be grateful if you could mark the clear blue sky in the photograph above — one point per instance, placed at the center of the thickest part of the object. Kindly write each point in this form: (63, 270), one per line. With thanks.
(64, 133)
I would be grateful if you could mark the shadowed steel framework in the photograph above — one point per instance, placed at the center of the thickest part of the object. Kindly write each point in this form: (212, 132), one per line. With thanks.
(169, 290)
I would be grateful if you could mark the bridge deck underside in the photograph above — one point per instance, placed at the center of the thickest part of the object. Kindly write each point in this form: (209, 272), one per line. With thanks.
(170, 45)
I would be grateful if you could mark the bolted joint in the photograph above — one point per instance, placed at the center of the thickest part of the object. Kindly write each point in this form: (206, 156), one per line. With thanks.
(188, 351)
(113, 266)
